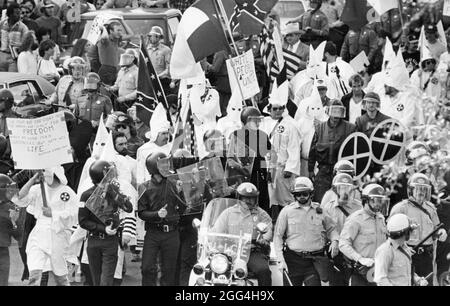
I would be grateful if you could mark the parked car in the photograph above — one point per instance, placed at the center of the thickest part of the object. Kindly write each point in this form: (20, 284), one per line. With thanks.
(287, 10)
(135, 21)
(28, 91)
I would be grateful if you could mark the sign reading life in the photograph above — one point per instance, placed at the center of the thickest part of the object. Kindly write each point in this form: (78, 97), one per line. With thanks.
(39, 143)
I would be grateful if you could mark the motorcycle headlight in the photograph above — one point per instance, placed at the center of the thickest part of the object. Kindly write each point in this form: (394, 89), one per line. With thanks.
(219, 263)
(198, 269)
(240, 269)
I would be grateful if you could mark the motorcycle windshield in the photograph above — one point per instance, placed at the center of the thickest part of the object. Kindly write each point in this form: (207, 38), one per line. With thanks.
(218, 233)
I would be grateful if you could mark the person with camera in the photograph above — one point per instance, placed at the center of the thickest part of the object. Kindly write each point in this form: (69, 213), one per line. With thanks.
(393, 259)
(160, 206)
(55, 215)
(302, 228)
(103, 237)
(363, 232)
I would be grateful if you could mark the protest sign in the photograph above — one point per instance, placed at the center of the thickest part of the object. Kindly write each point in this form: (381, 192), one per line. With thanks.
(244, 71)
(39, 143)
(95, 29)
(73, 13)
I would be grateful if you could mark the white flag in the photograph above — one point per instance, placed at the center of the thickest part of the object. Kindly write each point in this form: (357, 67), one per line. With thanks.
(382, 6)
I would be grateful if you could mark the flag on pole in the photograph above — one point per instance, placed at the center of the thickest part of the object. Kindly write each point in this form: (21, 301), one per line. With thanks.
(248, 15)
(200, 34)
(185, 133)
(267, 49)
(291, 66)
(383, 6)
(149, 89)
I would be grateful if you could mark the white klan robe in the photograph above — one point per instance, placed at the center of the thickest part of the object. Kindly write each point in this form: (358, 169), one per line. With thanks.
(310, 109)
(232, 121)
(48, 244)
(205, 107)
(285, 138)
(339, 74)
(376, 84)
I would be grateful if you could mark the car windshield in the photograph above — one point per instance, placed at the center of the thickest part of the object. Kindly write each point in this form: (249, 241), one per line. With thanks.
(289, 9)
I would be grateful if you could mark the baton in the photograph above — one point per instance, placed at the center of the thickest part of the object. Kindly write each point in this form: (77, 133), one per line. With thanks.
(441, 225)
(287, 277)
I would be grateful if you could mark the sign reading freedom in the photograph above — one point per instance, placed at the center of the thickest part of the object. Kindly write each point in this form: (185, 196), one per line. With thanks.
(39, 143)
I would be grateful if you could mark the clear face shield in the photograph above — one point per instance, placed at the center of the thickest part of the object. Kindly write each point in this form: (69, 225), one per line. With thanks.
(421, 193)
(345, 192)
(126, 60)
(251, 202)
(253, 122)
(379, 204)
(90, 84)
(335, 111)
(215, 144)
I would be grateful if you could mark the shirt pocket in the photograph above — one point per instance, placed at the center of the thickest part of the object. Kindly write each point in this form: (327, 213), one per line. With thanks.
(97, 109)
(294, 226)
(82, 105)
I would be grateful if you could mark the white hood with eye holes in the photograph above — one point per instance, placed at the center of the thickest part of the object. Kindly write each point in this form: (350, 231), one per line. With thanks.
(59, 172)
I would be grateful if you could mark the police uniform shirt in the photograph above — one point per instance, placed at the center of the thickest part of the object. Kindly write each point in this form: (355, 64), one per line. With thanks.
(426, 223)
(392, 265)
(317, 20)
(305, 229)
(126, 82)
(160, 57)
(363, 232)
(338, 216)
(155, 197)
(91, 106)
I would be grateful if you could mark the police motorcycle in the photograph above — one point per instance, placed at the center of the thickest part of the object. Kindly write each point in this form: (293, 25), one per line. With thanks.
(221, 257)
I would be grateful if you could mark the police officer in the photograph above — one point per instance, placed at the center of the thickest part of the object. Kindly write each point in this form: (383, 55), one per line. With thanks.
(325, 146)
(393, 258)
(302, 227)
(364, 231)
(314, 26)
(103, 240)
(421, 211)
(247, 214)
(342, 166)
(339, 209)
(92, 103)
(358, 40)
(160, 206)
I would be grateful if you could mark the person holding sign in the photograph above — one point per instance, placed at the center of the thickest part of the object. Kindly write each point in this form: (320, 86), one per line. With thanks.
(55, 212)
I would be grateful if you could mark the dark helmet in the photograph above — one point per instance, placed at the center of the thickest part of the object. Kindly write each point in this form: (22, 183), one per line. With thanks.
(249, 112)
(98, 170)
(5, 181)
(152, 162)
(247, 190)
(6, 97)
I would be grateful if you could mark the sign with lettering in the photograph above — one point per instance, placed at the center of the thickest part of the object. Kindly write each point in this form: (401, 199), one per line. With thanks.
(242, 68)
(73, 13)
(96, 28)
(39, 143)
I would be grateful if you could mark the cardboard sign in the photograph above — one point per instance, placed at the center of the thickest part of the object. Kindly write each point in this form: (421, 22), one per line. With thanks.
(95, 30)
(39, 143)
(360, 62)
(356, 149)
(73, 14)
(242, 68)
(387, 141)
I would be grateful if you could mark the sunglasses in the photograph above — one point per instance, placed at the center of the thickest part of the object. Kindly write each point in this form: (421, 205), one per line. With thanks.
(121, 126)
(304, 194)
(428, 62)
(278, 108)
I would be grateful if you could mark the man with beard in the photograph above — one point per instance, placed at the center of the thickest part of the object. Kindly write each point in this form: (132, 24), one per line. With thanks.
(420, 210)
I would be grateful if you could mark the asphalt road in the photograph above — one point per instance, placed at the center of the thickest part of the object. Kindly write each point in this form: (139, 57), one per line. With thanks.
(131, 278)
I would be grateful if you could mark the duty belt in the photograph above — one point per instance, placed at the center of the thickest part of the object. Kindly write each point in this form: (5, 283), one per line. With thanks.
(166, 228)
(305, 254)
(424, 249)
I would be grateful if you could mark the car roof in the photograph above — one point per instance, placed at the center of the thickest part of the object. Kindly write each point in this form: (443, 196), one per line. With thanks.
(11, 77)
(134, 13)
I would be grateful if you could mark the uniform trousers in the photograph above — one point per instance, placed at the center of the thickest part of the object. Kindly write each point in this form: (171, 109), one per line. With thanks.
(102, 256)
(156, 241)
(4, 266)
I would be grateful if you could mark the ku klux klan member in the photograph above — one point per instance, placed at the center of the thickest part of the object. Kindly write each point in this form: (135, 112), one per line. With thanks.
(159, 136)
(232, 121)
(325, 146)
(48, 243)
(400, 100)
(285, 138)
(310, 113)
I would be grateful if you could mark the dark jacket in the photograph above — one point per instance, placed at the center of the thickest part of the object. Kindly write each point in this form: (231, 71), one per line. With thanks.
(366, 125)
(6, 226)
(346, 101)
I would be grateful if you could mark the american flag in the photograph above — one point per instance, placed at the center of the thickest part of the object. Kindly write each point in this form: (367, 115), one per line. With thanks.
(185, 134)
(267, 49)
(149, 89)
(291, 62)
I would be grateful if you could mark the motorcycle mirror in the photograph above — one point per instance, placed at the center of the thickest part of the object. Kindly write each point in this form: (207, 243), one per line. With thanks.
(196, 223)
(262, 227)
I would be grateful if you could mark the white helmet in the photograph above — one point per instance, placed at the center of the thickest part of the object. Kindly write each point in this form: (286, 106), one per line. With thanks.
(303, 184)
(344, 166)
(399, 225)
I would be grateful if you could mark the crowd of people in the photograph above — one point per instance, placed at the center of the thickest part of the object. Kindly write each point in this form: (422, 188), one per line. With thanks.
(329, 222)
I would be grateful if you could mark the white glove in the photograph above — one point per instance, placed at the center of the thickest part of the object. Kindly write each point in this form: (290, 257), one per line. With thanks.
(422, 282)
(162, 213)
(442, 235)
(368, 262)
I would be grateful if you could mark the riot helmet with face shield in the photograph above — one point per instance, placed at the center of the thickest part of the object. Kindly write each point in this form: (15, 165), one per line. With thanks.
(343, 186)
(375, 197)
(419, 188)
(248, 193)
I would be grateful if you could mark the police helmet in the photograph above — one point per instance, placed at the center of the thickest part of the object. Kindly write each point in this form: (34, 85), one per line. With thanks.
(374, 195)
(92, 80)
(247, 190)
(344, 166)
(249, 112)
(151, 163)
(98, 170)
(302, 184)
(414, 150)
(398, 226)
(6, 97)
